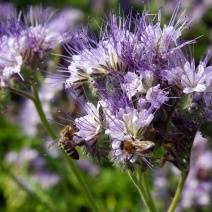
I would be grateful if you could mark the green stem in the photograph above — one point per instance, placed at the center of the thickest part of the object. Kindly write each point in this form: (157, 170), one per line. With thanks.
(183, 177)
(178, 191)
(41, 112)
(71, 163)
(145, 184)
(148, 201)
(21, 93)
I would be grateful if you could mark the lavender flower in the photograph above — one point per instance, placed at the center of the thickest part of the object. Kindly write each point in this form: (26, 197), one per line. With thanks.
(46, 179)
(77, 77)
(133, 84)
(191, 81)
(24, 156)
(160, 40)
(90, 168)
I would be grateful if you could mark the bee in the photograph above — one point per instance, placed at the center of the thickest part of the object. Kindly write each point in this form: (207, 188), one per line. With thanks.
(140, 148)
(143, 149)
(65, 140)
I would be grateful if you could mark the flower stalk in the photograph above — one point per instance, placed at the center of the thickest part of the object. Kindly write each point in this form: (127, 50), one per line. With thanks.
(182, 181)
(71, 163)
(21, 93)
(143, 189)
(179, 190)
(145, 184)
(41, 112)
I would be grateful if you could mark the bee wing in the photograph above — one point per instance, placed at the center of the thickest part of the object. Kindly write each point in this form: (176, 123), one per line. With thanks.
(143, 153)
(54, 142)
(143, 144)
(144, 148)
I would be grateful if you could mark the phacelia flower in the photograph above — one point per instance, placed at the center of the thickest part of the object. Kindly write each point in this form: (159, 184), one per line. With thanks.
(10, 59)
(139, 74)
(132, 84)
(156, 96)
(193, 81)
(129, 124)
(89, 126)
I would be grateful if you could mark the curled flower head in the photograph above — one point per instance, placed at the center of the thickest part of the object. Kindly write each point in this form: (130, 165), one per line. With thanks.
(142, 79)
(25, 40)
(36, 28)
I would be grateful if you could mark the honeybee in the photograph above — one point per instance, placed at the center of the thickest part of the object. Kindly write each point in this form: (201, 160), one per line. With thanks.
(65, 140)
(140, 148)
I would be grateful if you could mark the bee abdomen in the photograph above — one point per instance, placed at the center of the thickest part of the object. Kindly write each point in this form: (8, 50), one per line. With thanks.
(70, 150)
(73, 153)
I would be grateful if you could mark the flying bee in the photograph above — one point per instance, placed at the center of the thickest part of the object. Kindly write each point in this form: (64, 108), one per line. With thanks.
(65, 140)
(143, 149)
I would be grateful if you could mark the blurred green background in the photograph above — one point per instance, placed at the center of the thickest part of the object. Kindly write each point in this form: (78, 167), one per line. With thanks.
(33, 181)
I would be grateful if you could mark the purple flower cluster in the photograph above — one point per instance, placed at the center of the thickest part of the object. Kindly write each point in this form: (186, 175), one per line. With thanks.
(25, 39)
(138, 71)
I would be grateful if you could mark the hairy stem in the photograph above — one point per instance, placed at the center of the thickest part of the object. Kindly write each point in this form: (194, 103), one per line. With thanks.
(145, 184)
(183, 177)
(41, 112)
(71, 163)
(178, 193)
(21, 93)
(144, 195)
